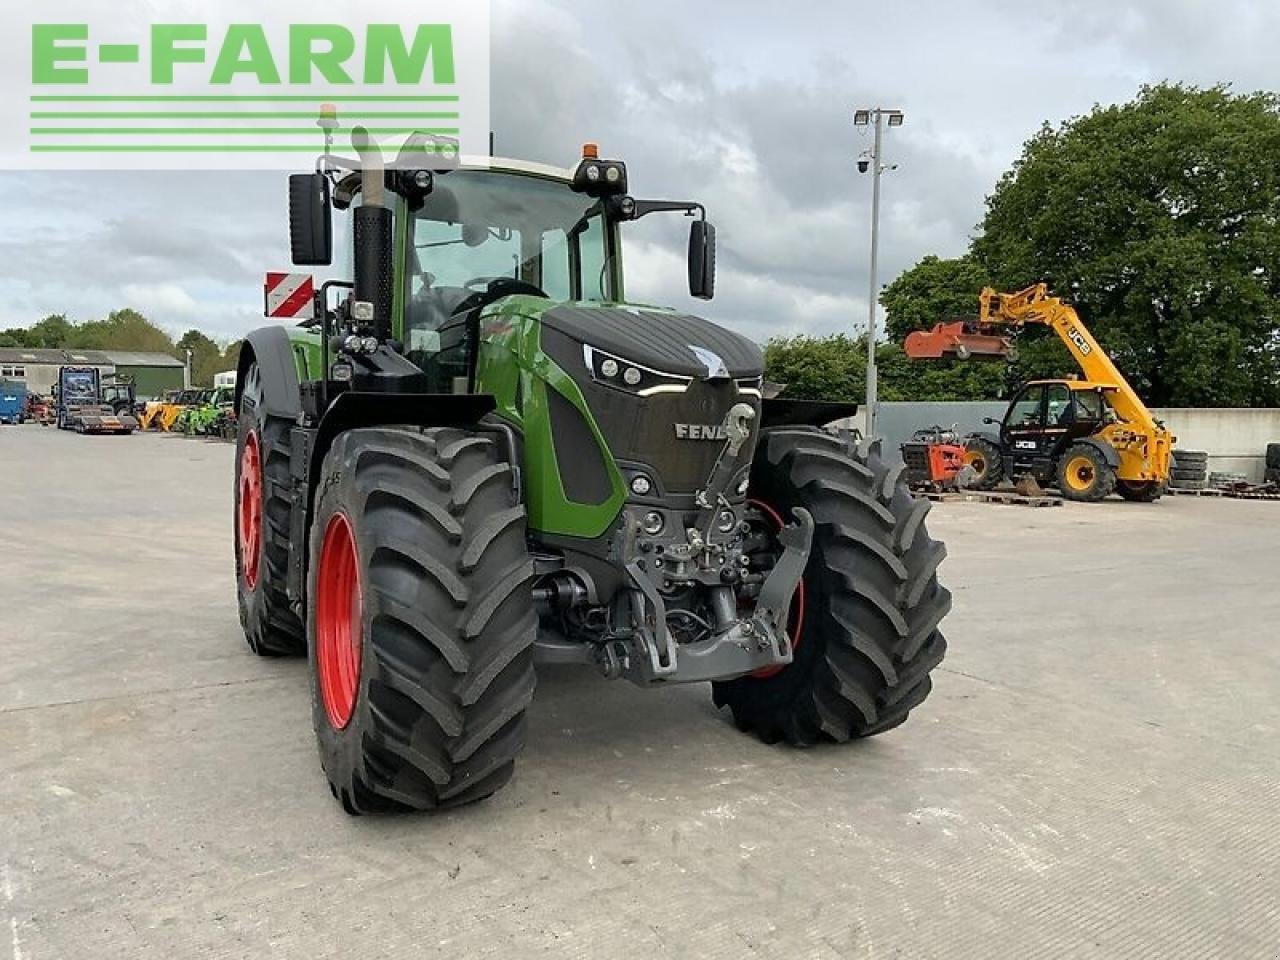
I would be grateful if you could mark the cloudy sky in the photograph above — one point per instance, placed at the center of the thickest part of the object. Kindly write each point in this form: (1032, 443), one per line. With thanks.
(742, 104)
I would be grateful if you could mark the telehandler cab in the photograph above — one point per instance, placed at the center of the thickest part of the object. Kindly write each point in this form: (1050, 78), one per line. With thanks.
(484, 457)
(1086, 437)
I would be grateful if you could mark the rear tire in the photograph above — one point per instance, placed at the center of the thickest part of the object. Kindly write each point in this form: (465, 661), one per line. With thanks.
(987, 462)
(271, 627)
(869, 634)
(1084, 475)
(434, 708)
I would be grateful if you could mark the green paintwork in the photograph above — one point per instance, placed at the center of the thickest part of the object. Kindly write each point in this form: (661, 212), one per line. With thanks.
(510, 355)
(306, 352)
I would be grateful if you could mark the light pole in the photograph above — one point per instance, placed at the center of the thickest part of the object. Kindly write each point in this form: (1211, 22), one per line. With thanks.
(874, 162)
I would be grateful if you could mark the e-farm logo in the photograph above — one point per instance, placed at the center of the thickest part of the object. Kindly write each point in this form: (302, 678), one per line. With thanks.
(158, 88)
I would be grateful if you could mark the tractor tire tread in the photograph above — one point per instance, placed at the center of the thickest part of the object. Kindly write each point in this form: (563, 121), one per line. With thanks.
(446, 580)
(271, 627)
(870, 637)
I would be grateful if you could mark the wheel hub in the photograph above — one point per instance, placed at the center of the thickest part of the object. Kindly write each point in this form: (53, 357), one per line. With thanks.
(249, 521)
(339, 626)
(1081, 473)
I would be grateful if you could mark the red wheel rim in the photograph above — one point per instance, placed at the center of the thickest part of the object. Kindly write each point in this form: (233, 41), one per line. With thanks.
(795, 618)
(338, 622)
(249, 525)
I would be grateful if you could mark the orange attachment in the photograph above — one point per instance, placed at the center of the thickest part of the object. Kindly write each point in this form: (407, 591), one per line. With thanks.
(946, 460)
(590, 151)
(958, 340)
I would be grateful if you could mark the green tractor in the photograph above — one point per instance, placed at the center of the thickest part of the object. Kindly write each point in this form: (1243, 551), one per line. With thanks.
(478, 456)
(209, 408)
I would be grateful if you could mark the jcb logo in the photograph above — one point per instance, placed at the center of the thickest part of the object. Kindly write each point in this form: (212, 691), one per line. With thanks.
(1078, 339)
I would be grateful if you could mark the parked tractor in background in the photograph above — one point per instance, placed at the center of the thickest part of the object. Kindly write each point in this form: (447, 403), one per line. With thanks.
(80, 405)
(1087, 437)
(120, 394)
(483, 458)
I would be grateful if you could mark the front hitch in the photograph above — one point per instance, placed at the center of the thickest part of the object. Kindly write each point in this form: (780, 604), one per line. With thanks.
(747, 645)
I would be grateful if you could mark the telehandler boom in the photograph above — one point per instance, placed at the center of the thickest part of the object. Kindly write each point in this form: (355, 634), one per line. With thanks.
(1089, 437)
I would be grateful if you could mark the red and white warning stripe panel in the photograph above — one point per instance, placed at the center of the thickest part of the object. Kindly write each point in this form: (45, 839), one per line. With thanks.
(290, 296)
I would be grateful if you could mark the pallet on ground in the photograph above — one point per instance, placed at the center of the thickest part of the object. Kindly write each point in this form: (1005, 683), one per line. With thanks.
(991, 496)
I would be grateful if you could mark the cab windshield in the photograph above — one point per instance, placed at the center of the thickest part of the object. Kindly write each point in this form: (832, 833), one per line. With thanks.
(477, 226)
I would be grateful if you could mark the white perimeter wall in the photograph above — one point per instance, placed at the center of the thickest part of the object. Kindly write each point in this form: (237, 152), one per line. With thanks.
(1235, 438)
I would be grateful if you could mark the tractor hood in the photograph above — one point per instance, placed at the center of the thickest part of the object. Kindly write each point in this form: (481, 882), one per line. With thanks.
(666, 342)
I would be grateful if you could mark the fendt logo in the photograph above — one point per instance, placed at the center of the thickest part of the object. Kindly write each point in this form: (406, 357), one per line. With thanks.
(701, 431)
(142, 84)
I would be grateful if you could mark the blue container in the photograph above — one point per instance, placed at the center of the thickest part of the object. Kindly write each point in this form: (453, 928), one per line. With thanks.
(13, 401)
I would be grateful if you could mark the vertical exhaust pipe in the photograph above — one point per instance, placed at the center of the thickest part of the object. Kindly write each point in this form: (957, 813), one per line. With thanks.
(374, 269)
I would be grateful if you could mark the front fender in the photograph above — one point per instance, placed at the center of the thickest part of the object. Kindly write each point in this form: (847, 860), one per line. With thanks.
(1109, 453)
(272, 349)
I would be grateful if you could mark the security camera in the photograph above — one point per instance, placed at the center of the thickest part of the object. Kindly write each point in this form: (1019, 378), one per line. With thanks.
(864, 161)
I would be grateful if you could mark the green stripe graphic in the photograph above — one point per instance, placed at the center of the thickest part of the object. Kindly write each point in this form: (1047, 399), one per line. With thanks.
(238, 115)
(198, 131)
(233, 98)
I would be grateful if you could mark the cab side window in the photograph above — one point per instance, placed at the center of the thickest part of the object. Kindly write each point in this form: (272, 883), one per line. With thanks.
(1089, 405)
(1059, 409)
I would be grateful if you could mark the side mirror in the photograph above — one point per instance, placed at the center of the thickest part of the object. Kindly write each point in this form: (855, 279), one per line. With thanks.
(310, 226)
(702, 260)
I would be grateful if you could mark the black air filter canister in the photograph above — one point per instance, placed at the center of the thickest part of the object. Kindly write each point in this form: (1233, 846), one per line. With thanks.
(374, 269)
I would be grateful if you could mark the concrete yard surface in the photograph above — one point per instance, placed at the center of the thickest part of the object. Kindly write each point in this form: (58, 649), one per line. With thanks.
(1097, 773)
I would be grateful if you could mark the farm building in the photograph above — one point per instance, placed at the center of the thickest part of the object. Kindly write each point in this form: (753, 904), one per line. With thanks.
(154, 373)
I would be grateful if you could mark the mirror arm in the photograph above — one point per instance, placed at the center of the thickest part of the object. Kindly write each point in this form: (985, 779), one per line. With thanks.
(688, 207)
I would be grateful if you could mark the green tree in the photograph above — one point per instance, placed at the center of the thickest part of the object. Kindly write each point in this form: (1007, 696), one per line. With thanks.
(932, 291)
(15, 337)
(834, 368)
(125, 329)
(206, 356)
(1160, 220)
(51, 332)
(818, 368)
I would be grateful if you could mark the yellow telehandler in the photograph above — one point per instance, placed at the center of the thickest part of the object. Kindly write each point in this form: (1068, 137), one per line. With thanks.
(1088, 437)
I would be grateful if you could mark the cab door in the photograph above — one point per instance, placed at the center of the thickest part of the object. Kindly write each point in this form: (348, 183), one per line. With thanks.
(1022, 432)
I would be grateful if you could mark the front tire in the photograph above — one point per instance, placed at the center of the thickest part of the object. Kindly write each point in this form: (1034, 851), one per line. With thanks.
(872, 602)
(421, 619)
(1084, 475)
(261, 519)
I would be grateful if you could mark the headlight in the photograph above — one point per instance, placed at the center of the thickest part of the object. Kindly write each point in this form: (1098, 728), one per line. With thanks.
(635, 379)
(652, 523)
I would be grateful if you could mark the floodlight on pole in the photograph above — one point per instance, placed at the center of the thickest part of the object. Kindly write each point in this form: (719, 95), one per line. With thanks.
(862, 117)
